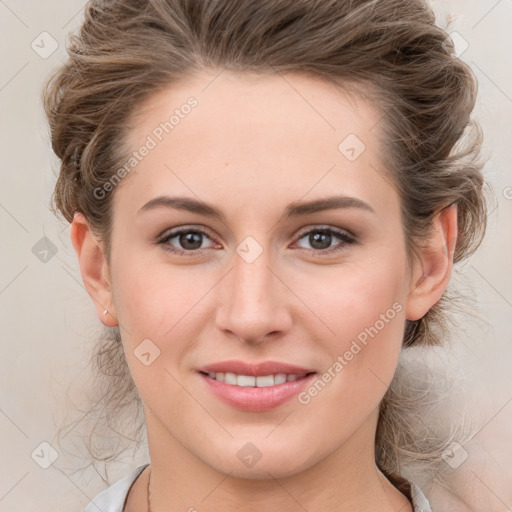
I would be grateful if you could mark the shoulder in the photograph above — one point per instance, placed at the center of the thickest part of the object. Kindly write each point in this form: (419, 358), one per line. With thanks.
(112, 499)
(412, 491)
(419, 500)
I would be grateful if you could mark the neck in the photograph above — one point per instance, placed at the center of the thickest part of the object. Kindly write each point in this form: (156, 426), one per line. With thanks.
(344, 480)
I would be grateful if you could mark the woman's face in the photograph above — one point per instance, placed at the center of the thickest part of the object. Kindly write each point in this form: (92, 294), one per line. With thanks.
(259, 280)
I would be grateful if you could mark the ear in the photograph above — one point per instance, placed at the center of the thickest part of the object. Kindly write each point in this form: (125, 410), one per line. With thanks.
(94, 269)
(432, 271)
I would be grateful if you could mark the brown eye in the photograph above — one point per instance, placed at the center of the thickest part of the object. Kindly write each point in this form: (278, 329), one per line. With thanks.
(320, 240)
(188, 240)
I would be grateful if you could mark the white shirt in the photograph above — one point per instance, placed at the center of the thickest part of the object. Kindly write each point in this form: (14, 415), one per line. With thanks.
(113, 498)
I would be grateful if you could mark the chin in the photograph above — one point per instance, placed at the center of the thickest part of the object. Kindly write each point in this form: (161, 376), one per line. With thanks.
(253, 461)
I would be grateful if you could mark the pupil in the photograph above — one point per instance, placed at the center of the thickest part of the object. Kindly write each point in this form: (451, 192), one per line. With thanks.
(190, 238)
(317, 237)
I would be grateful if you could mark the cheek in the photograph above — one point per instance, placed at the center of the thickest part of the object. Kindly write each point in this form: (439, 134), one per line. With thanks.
(153, 314)
(357, 297)
(148, 299)
(158, 307)
(364, 308)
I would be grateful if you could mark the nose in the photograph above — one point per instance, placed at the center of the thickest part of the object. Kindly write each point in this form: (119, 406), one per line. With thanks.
(254, 302)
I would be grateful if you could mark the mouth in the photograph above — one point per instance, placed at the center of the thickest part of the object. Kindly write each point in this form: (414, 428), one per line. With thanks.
(255, 393)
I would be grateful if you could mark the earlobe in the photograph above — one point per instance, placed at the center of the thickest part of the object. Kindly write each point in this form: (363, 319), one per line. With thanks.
(433, 271)
(93, 268)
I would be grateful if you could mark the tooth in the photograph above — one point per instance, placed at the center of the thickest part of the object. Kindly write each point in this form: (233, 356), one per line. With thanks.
(261, 381)
(246, 380)
(280, 378)
(230, 378)
(264, 381)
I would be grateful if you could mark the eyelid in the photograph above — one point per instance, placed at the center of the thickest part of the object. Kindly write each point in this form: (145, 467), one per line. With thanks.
(186, 227)
(326, 227)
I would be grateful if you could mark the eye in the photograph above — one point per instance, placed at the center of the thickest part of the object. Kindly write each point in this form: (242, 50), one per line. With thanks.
(321, 238)
(191, 240)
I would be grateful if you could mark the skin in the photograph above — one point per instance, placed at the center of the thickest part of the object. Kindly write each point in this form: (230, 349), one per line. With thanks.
(252, 146)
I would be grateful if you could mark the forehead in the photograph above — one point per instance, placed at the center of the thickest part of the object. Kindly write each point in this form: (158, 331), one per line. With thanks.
(258, 135)
(247, 99)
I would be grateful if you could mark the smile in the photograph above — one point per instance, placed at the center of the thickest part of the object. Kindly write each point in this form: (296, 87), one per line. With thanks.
(256, 394)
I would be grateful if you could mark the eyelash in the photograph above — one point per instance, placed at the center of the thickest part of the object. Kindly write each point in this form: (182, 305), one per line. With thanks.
(347, 240)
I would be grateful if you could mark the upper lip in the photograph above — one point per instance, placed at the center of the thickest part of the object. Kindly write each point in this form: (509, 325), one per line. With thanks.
(255, 369)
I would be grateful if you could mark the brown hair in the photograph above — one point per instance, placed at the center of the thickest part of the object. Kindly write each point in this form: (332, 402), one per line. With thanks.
(126, 50)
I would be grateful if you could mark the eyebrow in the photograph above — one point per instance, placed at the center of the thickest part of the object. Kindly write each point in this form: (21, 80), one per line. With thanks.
(295, 209)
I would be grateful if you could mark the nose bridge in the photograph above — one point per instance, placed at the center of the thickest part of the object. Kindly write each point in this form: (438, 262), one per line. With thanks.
(253, 303)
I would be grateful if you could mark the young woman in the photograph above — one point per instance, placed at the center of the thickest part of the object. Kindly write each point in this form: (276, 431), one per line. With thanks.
(266, 200)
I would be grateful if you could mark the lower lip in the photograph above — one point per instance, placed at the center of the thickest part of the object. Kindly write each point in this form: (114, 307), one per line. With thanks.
(251, 398)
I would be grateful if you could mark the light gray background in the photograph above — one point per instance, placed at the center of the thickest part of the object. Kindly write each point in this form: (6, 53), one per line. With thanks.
(49, 324)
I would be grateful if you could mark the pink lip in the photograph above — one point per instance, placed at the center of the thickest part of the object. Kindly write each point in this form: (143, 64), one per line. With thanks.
(253, 398)
(259, 369)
